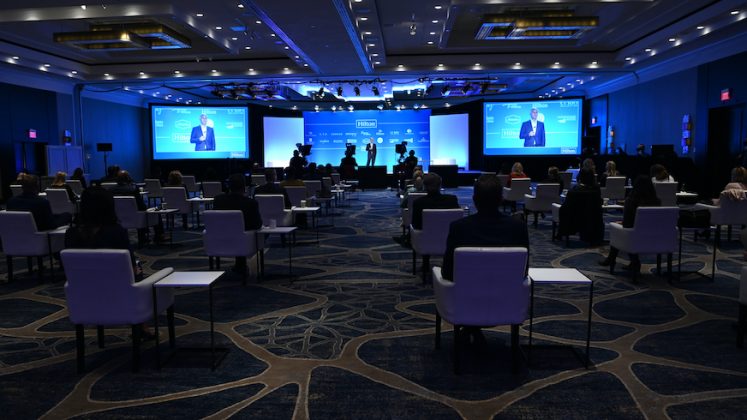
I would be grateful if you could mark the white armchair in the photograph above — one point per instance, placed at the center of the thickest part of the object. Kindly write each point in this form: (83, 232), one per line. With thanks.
(667, 193)
(76, 186)
(541, 201)
(489, 288)
(296, 194)
(101, 291)
(258, 179)
(614, 188)
(514, 194)
(654, 232)
(407, 211)
(20, 238)
(190, 182)
(730, 211)
(153, 186)
(272, 206)
(431, 240)
(176, 198)
(60, 201)
(211, 189)
(224, 236)
(313, 186)
(132, 218)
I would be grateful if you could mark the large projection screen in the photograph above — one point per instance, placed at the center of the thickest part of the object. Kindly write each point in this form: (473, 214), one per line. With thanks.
(450, 140)
(281, 136)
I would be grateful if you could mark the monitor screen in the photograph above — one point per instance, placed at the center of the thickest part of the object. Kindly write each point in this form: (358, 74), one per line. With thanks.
(330, 132)
(199, 132)
(551, 127)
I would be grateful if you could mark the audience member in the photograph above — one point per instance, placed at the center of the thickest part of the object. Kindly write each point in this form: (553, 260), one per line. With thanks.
(126, 187)
(236, 199)
(297, 162)
(59, 183)
(271, 187)
(517, 171)
(291, 179)
(111, 174)
(433, 200)
(738, 179)
(176, 179)
(582, 210)
(659, 174)
(416, 187)
(610, 169)
(643, 194)
(39, 207)
(79, 176)
(553, 177)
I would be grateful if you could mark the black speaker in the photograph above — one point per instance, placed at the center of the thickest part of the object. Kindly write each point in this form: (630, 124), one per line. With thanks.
(103, 147)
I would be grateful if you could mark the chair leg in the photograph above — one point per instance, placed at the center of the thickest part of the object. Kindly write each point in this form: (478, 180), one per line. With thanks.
(210, 263)
(457, 337)
(170, 322)
(40, 264)
(414, 262)
(536, 223)
(426, 266)
(137, 330)
(741, 325)
(80, 345)
(30, 264)
(554, 226)
(100, 336)
(9, 263)
(669, 267)
(217, 263)
(514, 348)
(658, 264)
(438, 330)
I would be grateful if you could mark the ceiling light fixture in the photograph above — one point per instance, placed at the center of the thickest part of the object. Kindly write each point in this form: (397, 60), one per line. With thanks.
(199, 14)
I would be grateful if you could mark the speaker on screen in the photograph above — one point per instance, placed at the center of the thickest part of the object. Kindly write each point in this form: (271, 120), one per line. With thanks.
(103, 147)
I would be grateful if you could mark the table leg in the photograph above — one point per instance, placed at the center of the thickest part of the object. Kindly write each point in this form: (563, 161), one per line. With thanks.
(588, 326)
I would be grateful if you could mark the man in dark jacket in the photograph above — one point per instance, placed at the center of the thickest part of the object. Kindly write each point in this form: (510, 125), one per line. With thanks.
(434, 199)
(236, 199)
(271, 187)
(39, 207)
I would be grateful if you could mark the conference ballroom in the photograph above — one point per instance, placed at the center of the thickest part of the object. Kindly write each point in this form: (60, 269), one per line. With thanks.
(313, 209)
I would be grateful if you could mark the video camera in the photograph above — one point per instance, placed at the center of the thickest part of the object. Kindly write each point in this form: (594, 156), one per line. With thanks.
(349, 149)
(304, 149)
(401, 148)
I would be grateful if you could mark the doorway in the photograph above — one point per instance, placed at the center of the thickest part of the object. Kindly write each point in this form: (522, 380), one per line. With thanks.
(725, 131)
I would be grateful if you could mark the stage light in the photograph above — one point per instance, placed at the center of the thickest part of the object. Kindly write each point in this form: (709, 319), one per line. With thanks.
(465, 88)
(339, 90)
(445, 90)
(321, 91)
(375, 90)
(357, 91)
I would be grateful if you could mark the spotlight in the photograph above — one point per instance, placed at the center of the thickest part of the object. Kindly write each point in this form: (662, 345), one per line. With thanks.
(339, 90)
(428, 90)
(465, 88)
(484, 88)
(375, 90)
(357, 91)
(445, 90)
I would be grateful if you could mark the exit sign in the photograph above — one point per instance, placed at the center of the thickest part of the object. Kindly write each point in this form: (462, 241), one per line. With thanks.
(725, 95)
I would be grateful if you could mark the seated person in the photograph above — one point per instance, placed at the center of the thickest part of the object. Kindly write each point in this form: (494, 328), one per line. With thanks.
(582, 210)
(517, 171)
(659, 174)
(79, 176)
(236, 199)
(111, 174)
(434, 199)
(610, 169)
(416, 187)
(39, 207)
(738, 179)
(271, 187)
(643, 194)
(553, 177)
(59, 183)
(126, 187)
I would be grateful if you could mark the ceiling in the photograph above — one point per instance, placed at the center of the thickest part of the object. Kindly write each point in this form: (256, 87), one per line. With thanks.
(364, 53)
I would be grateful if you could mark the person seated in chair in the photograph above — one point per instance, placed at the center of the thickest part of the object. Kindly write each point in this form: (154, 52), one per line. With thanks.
(486, 228)
(271, 187)
(126, 187)
(236, 199)
(643, 194)
(433, 200)
(39, 207)
(582, 210)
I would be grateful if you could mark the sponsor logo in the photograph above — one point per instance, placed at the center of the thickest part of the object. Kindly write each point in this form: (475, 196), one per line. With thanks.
(512, 119)
(365, 124)
(182, 124)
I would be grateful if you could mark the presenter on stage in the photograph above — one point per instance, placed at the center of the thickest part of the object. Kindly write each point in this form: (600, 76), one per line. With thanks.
(533, 131)
(371, 149)
(203, 136)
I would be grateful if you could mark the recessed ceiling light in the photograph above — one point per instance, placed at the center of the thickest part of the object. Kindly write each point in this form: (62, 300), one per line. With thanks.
(240, 6)
(306, 64)
(218, 28)
(363, 18)
(285, 68)
(477, 64)
(199, 15)
(628, 58)
(74, 72)
(700, 27)
(377, 62)
(233, 38)
(272, 35)
(367, 33)
(735, 12)
(251, 69)
(440, 65)
(258, 22)
(374, 55)
(672, 39)
(297, 57)
(648, 49)
(431, 33)
(400, 65)
(358, 1)
(247, 48)
(214, 71)
(371, 45)
(142, 73)
(83, 6)
(15, 57)
(177, 72)
(517, 64)
(438, 7)
(430, 42)
(106, 74)
(286, 47)
(435, 21)
(47, 65)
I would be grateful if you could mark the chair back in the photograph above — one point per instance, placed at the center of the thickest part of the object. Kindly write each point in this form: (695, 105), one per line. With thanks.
(731, 212)
(108, 185)
(211, 188)
(519, 187)
(19, 236)
(176, 198)
(75, 185)
(258, 179)
(614, 188)
(100, 288)
(313, 187)
(490, 287)
(59, 201)
(190, 182)
(327, 183)
(126, 209)
(487, 173)
(153, 186)
(655, 229)
(431, 239)
(224, 234)
(544, 196)
(407, 215)
(16, 190)
(296, 194)
(667, 193)
(503, 178)
(335, 178)
(272, 206)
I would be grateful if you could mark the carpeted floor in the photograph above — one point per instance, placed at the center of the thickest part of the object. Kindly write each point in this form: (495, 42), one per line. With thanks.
(352, 337)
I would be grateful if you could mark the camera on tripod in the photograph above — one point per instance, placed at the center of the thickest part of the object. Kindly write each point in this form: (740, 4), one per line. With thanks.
(304, 149)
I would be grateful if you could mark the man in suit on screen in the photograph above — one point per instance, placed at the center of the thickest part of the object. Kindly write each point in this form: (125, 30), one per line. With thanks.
(203, 136)
(533, 131)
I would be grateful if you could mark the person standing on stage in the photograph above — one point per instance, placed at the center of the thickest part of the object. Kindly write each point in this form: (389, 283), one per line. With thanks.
(371, 149)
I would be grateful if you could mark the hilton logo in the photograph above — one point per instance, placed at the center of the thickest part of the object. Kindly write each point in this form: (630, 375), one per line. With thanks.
(512, 119)
(365, 123)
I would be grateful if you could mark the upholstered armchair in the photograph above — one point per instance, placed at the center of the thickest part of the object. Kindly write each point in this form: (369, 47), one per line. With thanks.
(407, 211)
(59, 201)
(296, 194)
(667, 193)
(224, 236)
(541, 201)
(153, 186)
(654, 232)
(132, 218)
(176, 198)
(431, 239)
(731, 210)
(489, 288)
(210, 189)
(20, 238)
(101, 291)
(614, 188)
(514, 194)
(272, 206)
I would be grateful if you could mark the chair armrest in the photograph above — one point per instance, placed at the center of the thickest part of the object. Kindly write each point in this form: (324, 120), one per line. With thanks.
(614, 225)
(701, 206)
(155, 277)
(529, 196)
(439, 281)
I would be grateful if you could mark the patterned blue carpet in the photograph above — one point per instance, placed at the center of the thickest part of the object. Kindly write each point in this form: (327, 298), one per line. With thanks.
(352, 337)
